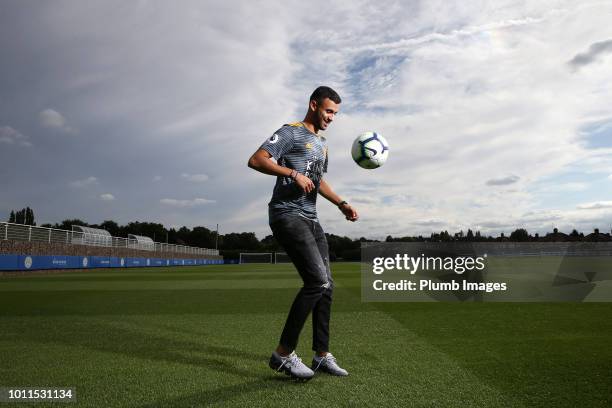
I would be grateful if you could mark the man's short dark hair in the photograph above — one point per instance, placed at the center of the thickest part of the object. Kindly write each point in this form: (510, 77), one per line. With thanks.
(323, 92)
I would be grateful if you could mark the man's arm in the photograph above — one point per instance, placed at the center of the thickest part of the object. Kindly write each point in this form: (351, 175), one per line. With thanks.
(262, 161)
(326, 191)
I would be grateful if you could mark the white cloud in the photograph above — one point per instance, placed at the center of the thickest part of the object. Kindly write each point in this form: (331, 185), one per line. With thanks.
(465, 92)
(196, 178)
(562, 188)
(541, 216)
(485, 98)
(8, 135)
(431, 223)
(365, 200)
(595, 205)
(451, 35)
(107, 197)
(196, 202)
(52, 119)
(86, 182)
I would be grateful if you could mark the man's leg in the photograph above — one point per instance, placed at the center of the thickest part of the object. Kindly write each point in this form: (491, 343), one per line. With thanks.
(297, 235)
(323, 359)
(322, 310)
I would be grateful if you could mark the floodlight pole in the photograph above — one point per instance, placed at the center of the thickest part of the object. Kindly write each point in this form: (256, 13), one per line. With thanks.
(217, 238)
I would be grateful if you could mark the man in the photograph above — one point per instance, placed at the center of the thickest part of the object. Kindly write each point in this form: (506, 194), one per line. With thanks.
(301, 160)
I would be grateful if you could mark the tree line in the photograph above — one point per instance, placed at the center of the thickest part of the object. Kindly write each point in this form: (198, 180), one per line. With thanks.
(339, 246)
(23, 216)
(518, 235)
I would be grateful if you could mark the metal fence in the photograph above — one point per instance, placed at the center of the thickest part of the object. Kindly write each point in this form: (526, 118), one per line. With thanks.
(20, 232)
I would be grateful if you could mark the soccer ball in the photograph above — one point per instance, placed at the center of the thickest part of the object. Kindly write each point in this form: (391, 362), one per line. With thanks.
(370, 150)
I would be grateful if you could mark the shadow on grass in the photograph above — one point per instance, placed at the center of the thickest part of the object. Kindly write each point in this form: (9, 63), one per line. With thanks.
(227, 393)
(156, 302)
(138, 342)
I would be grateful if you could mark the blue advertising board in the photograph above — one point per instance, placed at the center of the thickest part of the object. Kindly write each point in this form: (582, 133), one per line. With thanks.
(11, 262)
(99, 262)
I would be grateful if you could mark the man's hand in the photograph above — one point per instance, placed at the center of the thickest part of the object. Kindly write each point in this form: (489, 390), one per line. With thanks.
(262, 161)
(349, 212)
(304, 183)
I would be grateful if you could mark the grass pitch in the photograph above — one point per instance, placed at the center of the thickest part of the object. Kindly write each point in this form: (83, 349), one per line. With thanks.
(202, 336)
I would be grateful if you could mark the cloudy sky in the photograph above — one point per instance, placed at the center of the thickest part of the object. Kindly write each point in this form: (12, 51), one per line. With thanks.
(498, 114)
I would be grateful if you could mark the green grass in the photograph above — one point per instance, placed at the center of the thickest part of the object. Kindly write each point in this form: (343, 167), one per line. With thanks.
(201, 336)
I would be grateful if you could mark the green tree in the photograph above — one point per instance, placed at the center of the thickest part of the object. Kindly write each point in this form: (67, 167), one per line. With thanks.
(172, 236)
(182, 236)
(29, 216)
(23, 216)
(519, 235)
(20, 216)
(340, 246)
(575, 235)
(470, 235)
(67, 224)
(269, 243)
(202, 237)
(242, 240)
(155, 231)
(112, 227)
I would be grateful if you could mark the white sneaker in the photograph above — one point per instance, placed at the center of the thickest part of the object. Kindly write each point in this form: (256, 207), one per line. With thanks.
(328, 364)
(291, 365)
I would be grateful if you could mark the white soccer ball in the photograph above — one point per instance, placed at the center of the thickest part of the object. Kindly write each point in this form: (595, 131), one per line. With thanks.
(370, 150)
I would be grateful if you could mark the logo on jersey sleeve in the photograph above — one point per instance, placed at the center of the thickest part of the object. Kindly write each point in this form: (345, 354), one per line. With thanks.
(273, 139)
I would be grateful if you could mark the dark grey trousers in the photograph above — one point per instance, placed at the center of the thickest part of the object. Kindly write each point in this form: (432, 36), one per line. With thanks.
(306, 245)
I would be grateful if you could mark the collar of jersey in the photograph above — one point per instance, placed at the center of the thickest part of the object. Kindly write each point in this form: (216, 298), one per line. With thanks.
(301, 124)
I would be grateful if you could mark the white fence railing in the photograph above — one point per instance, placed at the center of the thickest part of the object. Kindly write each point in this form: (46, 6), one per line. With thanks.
(20, 232)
